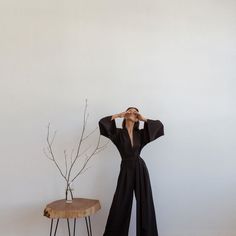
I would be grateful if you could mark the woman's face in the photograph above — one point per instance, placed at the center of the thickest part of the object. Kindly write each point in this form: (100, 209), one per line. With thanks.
(131, 115)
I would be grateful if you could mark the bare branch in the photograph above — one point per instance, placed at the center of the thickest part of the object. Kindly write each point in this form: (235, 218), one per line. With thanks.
(103, 146)
(86, 120)
(85, 170)
(90, 134)
(52, 154)
(88, 158)
(44, 151)
(65, 155)
(71, 155)
(81, 154)
(80, 142)
(70, 161)
(54, 135)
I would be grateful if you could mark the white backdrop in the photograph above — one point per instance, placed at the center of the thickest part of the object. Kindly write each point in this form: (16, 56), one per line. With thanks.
(174, 60)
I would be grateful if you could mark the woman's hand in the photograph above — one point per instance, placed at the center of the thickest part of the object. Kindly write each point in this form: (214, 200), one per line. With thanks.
(140, 117)
(123, 114)
(120, 115)
(128, 113)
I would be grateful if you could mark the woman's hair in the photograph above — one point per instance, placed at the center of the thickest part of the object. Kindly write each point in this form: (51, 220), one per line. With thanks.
(136, 124)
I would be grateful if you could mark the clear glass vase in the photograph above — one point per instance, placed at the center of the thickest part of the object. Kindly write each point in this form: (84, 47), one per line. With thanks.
(69, 193)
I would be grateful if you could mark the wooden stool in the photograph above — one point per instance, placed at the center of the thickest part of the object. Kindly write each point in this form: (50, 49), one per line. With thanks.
(79, 208)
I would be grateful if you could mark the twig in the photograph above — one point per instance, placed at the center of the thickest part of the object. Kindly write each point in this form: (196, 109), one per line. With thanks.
(52, 154)
(65, 161)
(80, 142)
(69, 164)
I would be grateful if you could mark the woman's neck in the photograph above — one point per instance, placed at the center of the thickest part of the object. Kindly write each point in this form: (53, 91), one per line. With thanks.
(129, 125)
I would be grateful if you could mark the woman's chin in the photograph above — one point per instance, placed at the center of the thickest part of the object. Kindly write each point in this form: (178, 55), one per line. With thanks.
(134, 119)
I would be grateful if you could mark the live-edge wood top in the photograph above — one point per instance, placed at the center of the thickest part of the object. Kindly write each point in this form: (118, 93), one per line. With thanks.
(80, 207)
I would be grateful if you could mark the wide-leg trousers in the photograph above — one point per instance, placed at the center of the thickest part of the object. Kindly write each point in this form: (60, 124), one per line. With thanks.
(133, 178)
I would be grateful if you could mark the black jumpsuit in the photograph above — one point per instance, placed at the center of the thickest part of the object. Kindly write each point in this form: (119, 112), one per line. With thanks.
(133, 176)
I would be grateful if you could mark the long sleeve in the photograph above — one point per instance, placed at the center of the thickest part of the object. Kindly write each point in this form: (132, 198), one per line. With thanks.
(152, 130)
(108, 127)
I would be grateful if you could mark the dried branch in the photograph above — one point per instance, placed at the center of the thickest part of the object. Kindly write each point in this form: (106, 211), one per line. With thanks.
(90, 134)
(80, 141)
(71, 155)
(50, 143)
(70, 161)
(44, 151)
(89, 157)
(85, 170)
(65, 161)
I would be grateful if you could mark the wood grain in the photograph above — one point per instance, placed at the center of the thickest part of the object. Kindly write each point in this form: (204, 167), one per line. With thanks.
(80, 207)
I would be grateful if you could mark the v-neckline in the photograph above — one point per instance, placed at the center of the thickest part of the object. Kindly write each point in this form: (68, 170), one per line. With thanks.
(132, 146)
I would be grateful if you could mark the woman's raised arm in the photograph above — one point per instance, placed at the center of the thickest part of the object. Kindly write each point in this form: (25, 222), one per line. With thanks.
(152, 130)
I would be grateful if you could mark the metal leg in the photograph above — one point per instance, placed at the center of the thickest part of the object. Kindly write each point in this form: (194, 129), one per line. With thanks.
(56, 227)
(68, 224)
(51, 227)
(87, 226)
(74, 226)
(90, 228)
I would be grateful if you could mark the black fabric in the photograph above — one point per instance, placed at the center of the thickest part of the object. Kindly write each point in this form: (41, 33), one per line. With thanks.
(133, 177)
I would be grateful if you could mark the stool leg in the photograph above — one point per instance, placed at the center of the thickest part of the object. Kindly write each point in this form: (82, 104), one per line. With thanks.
(87, 226)
(74, 226)
(68, 224)
(90, 228)
(51, 227)
(56, 227)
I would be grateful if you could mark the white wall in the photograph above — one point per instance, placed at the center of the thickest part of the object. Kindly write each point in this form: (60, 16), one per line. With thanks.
(175, 60)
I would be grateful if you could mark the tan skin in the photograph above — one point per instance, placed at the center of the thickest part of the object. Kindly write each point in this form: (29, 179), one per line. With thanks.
(131, 116)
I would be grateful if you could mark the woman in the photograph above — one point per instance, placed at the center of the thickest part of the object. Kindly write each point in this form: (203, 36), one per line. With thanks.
(133, 175)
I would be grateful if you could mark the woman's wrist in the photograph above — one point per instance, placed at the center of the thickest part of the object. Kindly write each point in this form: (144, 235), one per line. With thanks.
(115, 116)
(142, 118)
